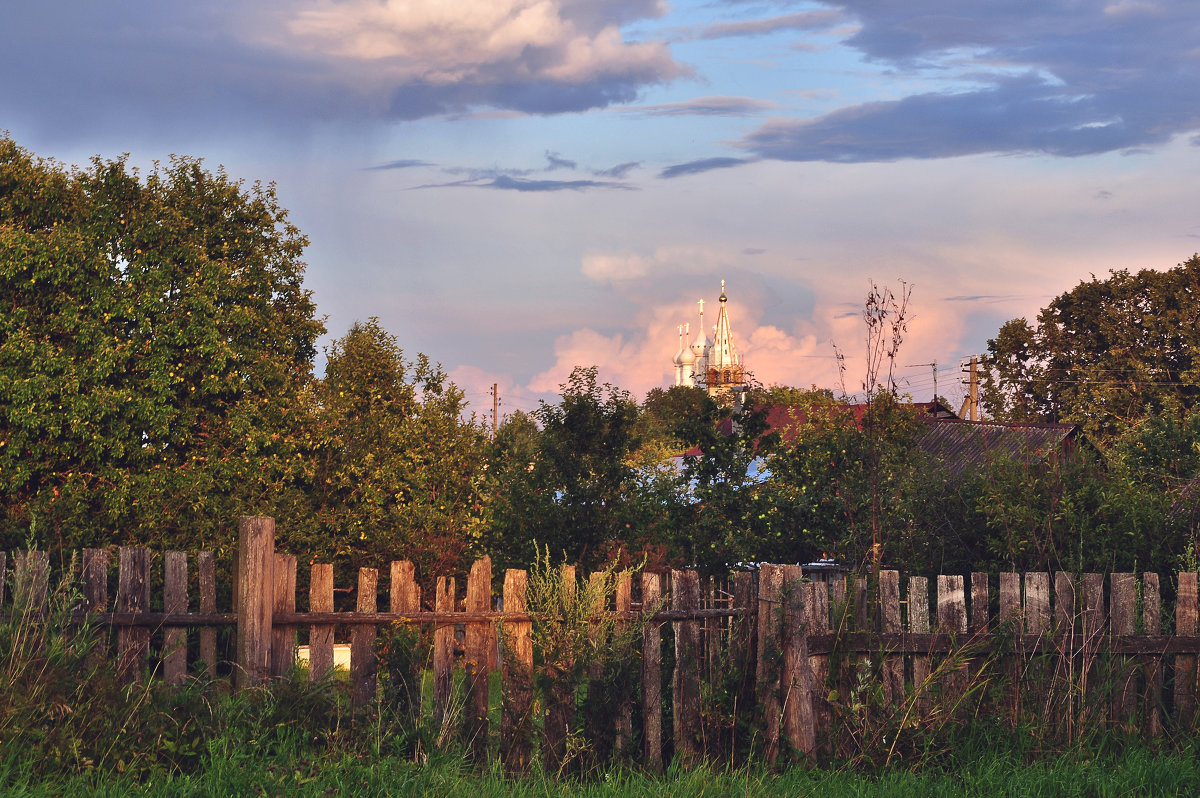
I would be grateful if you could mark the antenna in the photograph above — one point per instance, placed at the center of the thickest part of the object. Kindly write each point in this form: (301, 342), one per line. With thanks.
(933, 365)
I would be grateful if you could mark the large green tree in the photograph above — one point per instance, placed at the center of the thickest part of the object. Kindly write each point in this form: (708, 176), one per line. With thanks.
(398, 468)
(1102, 355)
(155, 346)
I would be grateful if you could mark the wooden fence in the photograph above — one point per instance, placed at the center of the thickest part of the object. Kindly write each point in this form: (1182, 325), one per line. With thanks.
(762, 664)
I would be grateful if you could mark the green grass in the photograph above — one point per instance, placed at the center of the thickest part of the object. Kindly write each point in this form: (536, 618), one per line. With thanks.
(239, 769)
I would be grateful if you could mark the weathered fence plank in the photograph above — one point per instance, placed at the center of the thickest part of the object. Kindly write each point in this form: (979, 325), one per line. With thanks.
(980, 602)
(477, 640)
(320, 636)
(175, 600)
(893, 663)
(133, 596)
(1185, 664)
(689, 657)
(95, 579)
(363, 665)
(516, 718)
(918, 623)
(560, 698)
(443, 652)
(283, 636)
(652, 675)
(255, 597)
(1151, 664)
(952, 620)
(624, 720)
(206, 573)
(1010, 616)
(1123, 676)
(797, 680)
(770, 647)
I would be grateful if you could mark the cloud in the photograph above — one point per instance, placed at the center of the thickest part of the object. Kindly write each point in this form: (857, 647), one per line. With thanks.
(707, 106)
(557, 162)
(1064, 79)
(702, 165)
(805, 20)
(294, 64)
(619, 171)
(509, 183)
(402, 164)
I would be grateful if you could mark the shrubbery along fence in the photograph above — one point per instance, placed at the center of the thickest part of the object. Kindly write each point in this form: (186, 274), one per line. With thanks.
(764, 664)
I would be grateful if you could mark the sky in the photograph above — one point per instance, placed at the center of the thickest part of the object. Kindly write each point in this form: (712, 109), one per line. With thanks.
(519, 187)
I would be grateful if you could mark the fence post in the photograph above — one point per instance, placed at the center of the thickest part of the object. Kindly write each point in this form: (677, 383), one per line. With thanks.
(133, 596)
(320, 636)
(256, 588)
(516, 721)
(1185, 664)
(207, 572)
(770, 650)
(685, 596)
(175, 600)
(1151, 663)
(363, 671)
(477, 641)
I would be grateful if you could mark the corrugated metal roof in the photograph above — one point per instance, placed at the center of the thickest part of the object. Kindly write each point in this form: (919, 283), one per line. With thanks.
(964, 446)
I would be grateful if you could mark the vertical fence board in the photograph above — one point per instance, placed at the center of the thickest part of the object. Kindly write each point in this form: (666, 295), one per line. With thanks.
(798, 719)
(742, 649)
(770, 590)
(283, 638)
(31, 571)
(363, 667)
(1066, 641)
(256, 589)
(560, 689)
(516, 716)
(918, 623)
(818, 623)
(443, 651)
(95, 580)
(980, 602)
(175, 600)
(1123, 675)
(1037, 603)
(206, 572)
(1151, 663)
(685, 596)
(893, 664)
(477, 642)
(320, 636)
(624, 720)
(133, 595)
(1093, 629)
(404, 594)
(1010, 616)
(652, 674)
(1185, 664)
(404, 597)
(952, 620)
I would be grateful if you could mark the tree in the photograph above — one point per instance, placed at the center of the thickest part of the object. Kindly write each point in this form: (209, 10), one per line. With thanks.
(399, 471)
(1102, 355)
(578, 490)
(154, 351)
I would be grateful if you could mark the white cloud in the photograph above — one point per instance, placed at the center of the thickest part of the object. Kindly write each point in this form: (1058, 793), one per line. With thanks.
(473, 41)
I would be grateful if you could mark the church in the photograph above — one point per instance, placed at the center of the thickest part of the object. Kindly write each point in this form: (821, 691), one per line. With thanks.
(713, 365)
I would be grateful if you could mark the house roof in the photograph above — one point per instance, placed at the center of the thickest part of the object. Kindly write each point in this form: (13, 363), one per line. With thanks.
(965, 446)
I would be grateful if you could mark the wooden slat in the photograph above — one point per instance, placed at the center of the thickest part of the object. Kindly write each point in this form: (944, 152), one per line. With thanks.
(95, 579)
(175, 599)
(652, 675)
(889, 609)
(1010, 618)
(1093, 629)
(283, 636)
(980, 602)
(952, 620)
(404, 597)
(742, 653)
(1185, 664)
(623, 732)
(918, 623)
(31, 575)
(476, 643)
(818, 661)
(1037, 603)
(516, 721)
(685, 595)
(364, 668)
(443, 652)
(560, 690)
(797, 679)
(256, 595)
(1123, 675)
(320, 636)
(770, 647)
(1152, 701)
(206, 571)
(133, 595)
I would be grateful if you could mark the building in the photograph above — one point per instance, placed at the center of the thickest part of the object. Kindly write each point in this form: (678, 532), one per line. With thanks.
(713, 365)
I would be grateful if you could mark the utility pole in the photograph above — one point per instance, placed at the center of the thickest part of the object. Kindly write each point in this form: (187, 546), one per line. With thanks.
(972, 403)
(495, 407)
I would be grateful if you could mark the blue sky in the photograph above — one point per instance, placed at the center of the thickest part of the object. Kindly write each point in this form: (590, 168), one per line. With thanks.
(515, 187)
